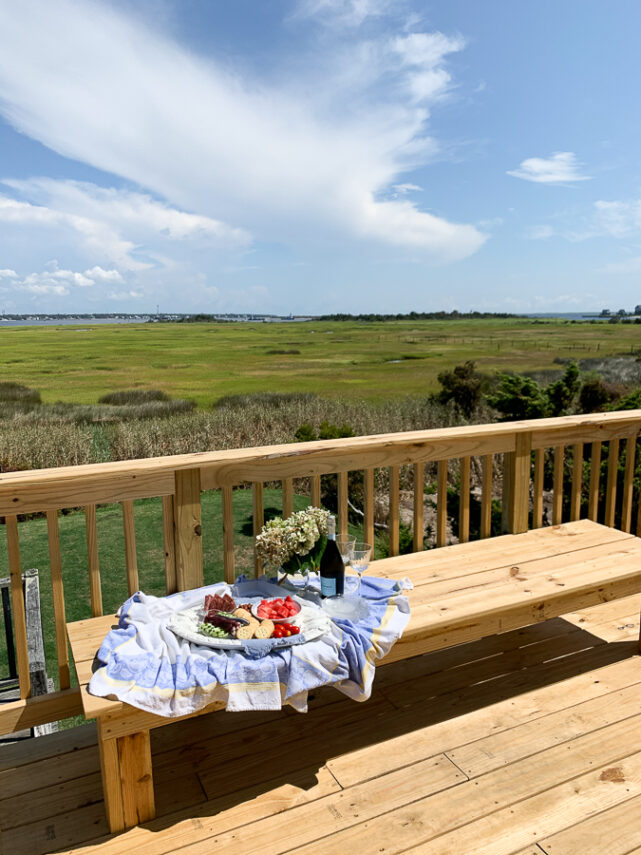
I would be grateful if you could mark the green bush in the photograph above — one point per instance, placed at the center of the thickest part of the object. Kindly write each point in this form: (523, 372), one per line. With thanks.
(464, 386)
(133, 396)
(11, 391)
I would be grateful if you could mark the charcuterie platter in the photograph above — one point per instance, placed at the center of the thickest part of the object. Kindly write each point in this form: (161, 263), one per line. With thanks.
(225, 623)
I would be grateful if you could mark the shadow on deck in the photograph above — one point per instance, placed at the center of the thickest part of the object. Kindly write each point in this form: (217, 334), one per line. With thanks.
(493, 747)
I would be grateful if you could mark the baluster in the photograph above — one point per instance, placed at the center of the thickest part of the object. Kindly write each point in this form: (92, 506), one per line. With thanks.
(464, 502)
(537, 503)
(595, 478)
(419, 519)
(441, 503)
(259, 520)
(393, 510)
(288, 497)
(92, 556)
(628, 483)
(316, 491)
(611, 484)
(368, 509)
(557, 501)
(228, 535)
(486, 496)
(577, 481)
(169, 543)
(507, 484)
(188, 528)
(342, 504)
(55, 567)
(131, 560)
(17, 601)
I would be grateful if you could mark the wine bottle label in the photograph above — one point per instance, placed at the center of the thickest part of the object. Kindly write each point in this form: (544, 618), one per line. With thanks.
(328, 587)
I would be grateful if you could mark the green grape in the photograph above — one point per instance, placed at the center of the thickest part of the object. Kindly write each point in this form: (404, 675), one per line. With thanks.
(212, 631)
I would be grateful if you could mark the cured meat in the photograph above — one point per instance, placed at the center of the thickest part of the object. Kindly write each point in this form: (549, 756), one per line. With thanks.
(216, 603)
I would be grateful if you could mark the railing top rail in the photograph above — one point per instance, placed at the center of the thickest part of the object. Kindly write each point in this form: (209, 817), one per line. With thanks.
(42, 489)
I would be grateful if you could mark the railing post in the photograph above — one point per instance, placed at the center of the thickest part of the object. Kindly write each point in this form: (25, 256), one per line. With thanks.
(506, 490)
(189, 545)
(519, 488)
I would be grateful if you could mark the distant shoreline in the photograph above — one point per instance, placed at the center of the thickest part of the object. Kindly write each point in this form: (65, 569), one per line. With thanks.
(15, 320)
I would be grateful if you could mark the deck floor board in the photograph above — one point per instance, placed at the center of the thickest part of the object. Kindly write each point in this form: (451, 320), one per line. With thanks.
(518, 744)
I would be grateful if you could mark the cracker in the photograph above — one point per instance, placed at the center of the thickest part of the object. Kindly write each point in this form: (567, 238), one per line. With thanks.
(265, 630)
(244, 633)
(243, 613)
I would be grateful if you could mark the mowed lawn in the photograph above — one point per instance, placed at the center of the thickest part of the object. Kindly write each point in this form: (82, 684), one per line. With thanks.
(376, 361)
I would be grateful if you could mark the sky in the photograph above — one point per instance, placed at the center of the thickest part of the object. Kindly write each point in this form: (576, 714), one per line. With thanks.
(315, 156)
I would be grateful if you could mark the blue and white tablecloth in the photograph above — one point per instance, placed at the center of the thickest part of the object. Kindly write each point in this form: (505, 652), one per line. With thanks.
(147, 666)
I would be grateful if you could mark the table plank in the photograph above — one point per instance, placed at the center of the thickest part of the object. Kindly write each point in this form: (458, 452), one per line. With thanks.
(467, 591)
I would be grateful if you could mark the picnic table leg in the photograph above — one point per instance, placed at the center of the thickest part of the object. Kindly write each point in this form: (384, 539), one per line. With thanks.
(127, 779)
(110, 771)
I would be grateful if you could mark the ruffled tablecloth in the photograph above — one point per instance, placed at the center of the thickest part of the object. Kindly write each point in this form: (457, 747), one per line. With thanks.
(146, 665)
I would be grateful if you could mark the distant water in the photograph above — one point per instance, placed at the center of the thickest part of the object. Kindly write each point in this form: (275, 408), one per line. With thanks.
(567, 316)
(84, 322)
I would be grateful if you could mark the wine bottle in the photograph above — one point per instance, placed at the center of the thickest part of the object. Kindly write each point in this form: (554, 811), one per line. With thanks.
(332, 569)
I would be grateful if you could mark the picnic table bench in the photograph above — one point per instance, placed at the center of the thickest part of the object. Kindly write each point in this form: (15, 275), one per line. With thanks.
(461, 593)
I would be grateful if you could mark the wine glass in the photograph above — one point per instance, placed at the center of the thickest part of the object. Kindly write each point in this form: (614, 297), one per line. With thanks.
(346, 547)
(361, 554)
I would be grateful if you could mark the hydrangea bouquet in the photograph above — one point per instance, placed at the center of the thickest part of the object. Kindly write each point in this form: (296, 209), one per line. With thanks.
(295, 544)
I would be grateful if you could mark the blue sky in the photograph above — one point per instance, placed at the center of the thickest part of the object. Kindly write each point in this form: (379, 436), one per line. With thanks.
(319, 155)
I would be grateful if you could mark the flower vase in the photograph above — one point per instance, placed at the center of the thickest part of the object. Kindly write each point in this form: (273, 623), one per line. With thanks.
(297, 582)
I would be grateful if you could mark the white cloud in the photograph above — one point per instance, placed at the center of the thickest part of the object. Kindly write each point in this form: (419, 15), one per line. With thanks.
(272, 161)
(98, 237)
(619, 219)
(124, 295)
(342, 13)
(404, 189)
(59, 281)
(560, 168)
(35, 287)
(99, 275)
(542, 232)
(126, 211)
(8, 274)
(629, 265)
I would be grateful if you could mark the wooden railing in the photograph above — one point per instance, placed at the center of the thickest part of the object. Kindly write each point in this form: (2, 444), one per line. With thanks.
(521, 451)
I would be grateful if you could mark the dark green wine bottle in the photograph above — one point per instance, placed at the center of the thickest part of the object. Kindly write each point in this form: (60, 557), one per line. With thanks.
(332, 569)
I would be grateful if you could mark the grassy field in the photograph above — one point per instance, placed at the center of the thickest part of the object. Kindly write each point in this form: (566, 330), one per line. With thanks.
(377, 361)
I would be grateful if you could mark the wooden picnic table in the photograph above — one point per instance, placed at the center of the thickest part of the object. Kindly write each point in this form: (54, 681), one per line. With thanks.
(461, 593)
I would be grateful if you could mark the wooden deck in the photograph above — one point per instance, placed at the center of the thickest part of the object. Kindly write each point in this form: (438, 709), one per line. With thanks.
(521, 743)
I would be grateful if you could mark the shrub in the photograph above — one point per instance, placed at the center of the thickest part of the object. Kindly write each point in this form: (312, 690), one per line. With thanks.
(305, 433)
(596, 395)
(133, 396)
(463, 385)
(10, 391)
(562, 393)
(519, 397)
(331, 431)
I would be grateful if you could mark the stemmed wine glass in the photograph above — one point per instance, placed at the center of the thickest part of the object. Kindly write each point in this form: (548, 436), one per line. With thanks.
(361, 554)
(346, 548)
